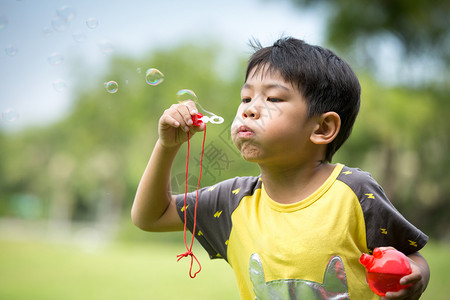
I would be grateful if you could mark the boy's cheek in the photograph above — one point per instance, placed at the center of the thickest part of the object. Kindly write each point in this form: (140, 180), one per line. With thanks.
(238, 121)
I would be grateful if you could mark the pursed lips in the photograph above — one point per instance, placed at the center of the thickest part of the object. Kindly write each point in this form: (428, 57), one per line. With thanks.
(245, 132)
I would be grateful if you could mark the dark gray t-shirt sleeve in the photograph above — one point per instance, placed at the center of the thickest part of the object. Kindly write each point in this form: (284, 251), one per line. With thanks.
(385, 225)
(214, 209)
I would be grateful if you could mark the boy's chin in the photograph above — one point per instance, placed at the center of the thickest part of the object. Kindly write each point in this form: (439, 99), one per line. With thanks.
(250, 153)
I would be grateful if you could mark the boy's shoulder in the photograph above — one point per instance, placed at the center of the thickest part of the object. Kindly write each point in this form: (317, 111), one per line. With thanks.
(245, 185)
(354, 174)
(361, 182)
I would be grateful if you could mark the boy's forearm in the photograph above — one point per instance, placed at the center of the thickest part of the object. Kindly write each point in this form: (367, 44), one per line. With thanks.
(153, 195)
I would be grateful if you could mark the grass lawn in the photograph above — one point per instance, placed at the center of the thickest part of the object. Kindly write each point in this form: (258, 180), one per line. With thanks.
(438, 257)
(40, 270)
(54, 271)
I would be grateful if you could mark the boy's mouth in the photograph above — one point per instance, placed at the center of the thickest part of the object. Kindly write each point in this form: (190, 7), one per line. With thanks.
(245, 132)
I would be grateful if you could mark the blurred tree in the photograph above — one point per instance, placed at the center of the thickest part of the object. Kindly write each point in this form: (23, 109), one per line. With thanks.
(418, 30)
(401, 134)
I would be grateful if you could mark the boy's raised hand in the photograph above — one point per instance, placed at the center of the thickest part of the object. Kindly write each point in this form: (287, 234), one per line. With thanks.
(176, 122)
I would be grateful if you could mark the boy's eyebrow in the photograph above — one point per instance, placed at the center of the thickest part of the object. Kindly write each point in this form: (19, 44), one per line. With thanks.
(267, 86)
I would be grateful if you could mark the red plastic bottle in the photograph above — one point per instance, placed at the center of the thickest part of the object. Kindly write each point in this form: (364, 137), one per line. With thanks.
(384, 270)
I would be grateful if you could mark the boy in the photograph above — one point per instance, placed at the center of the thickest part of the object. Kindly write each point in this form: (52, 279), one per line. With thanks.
(297, 230)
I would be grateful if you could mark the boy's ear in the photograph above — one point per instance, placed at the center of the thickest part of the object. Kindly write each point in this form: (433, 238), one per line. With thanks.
(326, 129)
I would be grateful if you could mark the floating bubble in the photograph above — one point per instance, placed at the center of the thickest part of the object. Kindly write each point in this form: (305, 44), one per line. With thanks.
(111, 87)
(154, 76)
(59, 85)
(10, 115)
(92, 23)
(185, 94)
(47, 31)
(66, 13)
(3, 22)
(138, 70)
(11, 50)
(59, 24)
(106, 47)
(78, 36)
(56, 58)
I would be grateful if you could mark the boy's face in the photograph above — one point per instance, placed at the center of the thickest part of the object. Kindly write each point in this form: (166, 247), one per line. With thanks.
(271, 125)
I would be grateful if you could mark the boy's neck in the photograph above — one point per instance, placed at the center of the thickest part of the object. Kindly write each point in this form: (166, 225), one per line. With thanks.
(291, 184)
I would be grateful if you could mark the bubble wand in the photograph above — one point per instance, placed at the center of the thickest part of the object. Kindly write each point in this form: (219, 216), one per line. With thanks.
(198, 119)
(185, 95)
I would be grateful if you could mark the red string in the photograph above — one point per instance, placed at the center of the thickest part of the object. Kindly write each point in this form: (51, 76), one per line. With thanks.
(189, 249)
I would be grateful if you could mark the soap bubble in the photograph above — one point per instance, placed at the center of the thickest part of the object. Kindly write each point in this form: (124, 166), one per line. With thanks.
(138, 70)
(106, 47)
(56, 58)
(10, 115)
(59, 85)
(59, 24)
(11, 50)
(154, 76)
(66, 13)
(111, 87)
(47, 31)
(78, 36)
(92, 23)
(185, 94)
(3, 22)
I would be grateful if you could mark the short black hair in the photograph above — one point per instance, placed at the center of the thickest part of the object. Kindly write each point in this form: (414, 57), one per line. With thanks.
(325, 80)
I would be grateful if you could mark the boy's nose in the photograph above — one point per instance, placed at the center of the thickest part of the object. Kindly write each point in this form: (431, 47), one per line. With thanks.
(250, 112)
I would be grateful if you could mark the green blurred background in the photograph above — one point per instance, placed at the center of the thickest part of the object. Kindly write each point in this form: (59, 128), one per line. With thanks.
(66, 186)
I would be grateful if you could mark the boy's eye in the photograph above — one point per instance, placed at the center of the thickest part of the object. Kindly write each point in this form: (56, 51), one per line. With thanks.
(270, 99)
(246, 100)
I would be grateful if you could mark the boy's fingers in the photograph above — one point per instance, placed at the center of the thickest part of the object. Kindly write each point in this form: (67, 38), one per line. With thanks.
(396, 295)
(411, 278)
(180, 115)
(177, 111)
(190, 106)
(407, 292)
(166, 119)
(185, 113)
(402, 294)
(201, 127)
(187, 110)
